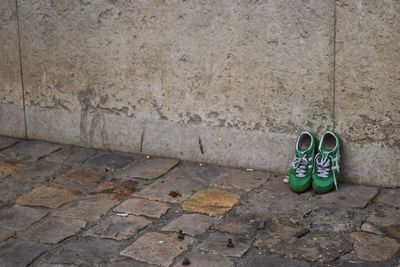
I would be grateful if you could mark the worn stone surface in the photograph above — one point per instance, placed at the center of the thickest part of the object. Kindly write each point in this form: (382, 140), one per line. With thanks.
(6, 234)
(149, 169)
(118, 228)
(389, 197)
(157, 248)
(53, 230)
(277, 233)
(85, 176)
(40, 171)
(185, 179)
(110, 161)
(17, 252)
(367, 100)
(72, 154)
(8, 167)
(6, 142)
(238, 179)
(383, 221)
(320, 247)
(86, 252)
(11, 101)
(331, 220)
(217, 244)
(51, 196)
(191, 224)
(118, 190)
(371, 247)
(145, 207)
(212, 202)
(349, 196)
(199, 258)
(20, 217)
(272, 261)
(89, 209)
(29, 150)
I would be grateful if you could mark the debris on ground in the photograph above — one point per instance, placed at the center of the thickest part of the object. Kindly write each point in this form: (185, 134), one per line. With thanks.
(175, 194)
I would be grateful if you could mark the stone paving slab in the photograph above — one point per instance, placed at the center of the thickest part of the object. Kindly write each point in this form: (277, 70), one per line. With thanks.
(371, 247)
(17, 252)
(8, 194)
(157, 248)
(383, 221)
(8, 167)
(72, 155)
(53, 230)
(336, 220)
(148, 169)
(348, 196)
(191, 224)
(6, 142)
(29, 150)
(277, 233)
(88, 209)
(50, 196)
(110, 161)
(20, 217)
(200, 258)
(239, 179)
(272, 261)
(389, 197)
(185, 179)
(118, 228)
(237, 223)
(137, 206)
(86, 252)
(6, 234)
(85, 176)
(216, 243)
(317, 247)
(40, 172)
(118, 190)
(212, 202)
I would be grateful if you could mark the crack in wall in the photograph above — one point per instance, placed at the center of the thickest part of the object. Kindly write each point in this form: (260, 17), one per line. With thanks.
(21, 69)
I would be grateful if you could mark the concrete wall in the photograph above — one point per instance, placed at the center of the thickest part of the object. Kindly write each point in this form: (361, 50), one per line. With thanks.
(228, 81)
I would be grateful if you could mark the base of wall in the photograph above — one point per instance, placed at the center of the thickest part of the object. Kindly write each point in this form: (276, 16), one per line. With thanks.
(374, 164)
(12, 122)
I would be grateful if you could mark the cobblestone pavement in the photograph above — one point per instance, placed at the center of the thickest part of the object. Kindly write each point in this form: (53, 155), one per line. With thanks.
(63, 205)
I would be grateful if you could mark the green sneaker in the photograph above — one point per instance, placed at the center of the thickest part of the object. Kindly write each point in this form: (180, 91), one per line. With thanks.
(300, 174)
(327, 163)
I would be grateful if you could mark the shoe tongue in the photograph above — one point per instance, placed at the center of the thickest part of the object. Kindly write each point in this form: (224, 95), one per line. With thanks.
(327, 150)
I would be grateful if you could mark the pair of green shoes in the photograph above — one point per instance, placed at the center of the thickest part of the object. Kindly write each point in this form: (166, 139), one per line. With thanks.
(316, 164)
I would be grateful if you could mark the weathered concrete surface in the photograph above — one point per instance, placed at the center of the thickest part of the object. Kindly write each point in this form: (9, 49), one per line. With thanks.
(367, 88)
(149, 66)
(226, 82)
(11, 101)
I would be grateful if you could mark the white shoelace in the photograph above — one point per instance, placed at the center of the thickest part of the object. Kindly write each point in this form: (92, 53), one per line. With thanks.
(323, 163)
(300, 165)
